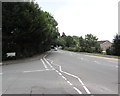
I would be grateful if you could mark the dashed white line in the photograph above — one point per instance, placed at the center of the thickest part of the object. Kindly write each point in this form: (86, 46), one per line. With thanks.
(56, 71)
(69, 83)
(44, 64)
(60, 74)
(85, 88)
(77, 90)
(64, 77)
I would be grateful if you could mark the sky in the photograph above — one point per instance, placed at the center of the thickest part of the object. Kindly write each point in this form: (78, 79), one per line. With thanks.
(81, 17)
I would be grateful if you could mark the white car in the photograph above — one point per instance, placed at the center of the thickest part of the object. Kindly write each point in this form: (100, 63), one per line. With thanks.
(55, 49)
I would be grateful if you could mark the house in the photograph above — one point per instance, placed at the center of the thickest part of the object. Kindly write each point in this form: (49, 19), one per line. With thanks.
(105, 44)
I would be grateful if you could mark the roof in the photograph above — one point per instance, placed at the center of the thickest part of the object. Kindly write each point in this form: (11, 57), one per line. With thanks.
(101, 42)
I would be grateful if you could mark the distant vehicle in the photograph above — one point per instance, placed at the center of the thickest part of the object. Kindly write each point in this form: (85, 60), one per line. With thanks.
(104, 52)
(55, 48)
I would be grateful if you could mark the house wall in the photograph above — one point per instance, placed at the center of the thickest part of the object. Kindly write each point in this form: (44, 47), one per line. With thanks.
(105, 45)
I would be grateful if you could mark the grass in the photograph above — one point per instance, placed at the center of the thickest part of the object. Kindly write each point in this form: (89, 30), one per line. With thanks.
(98, 54)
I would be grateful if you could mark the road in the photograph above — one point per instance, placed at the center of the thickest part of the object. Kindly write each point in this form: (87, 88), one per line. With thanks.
(62, 72)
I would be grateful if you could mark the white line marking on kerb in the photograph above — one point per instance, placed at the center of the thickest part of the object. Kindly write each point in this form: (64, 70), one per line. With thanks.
(77, 90)
(44, 64)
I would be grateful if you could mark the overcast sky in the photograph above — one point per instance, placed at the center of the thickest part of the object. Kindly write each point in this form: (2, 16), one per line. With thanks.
(81, 17)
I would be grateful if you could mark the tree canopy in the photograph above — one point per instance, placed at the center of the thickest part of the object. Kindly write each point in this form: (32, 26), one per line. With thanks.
(115, 48)
(27, 30)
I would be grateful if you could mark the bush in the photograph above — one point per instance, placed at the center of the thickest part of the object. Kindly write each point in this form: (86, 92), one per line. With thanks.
(69, 49)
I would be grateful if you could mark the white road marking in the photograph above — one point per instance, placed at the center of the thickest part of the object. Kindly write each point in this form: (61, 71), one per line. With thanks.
(50, 60)
(63, 76)
(36, 70)
(60, 74)
(85, 88)
(48, 63)
(44, 64)
(56, 71)
(1, 73)
(69, 83)
(96, 62)
(77, 90)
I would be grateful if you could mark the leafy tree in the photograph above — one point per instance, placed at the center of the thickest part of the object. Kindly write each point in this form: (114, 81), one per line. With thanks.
(27, 30)
(115, 48)
(89, 44)
(116, 45)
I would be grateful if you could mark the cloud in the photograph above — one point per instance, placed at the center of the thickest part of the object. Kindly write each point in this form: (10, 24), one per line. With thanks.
(80, 17)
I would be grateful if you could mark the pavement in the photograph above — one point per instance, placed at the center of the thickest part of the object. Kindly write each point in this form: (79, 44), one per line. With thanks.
(61, 72)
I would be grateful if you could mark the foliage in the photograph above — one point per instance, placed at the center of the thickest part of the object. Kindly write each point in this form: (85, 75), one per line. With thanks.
(27, 30)
(79, 44)
(115, 48)
(89, 44)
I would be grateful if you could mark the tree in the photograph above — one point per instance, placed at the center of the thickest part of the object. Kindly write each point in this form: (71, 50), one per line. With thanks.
(89, 44)
(115, 48)
(82, 44)
(27, 30)
(116, 45)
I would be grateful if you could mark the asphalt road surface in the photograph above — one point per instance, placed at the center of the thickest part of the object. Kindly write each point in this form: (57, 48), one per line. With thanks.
(62, 72)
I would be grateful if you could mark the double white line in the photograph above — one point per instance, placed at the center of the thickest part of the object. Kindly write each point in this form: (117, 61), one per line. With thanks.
(46, 67)
(44, 64)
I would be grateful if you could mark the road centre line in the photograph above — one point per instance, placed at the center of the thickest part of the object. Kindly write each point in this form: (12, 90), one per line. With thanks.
(60, 73)
(77, 90)
(69, 83)
(44, 64)
(85, 88)
(56, 71)
(63, 77)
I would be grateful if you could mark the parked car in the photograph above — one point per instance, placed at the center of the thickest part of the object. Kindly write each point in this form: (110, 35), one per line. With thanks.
(55, 48)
